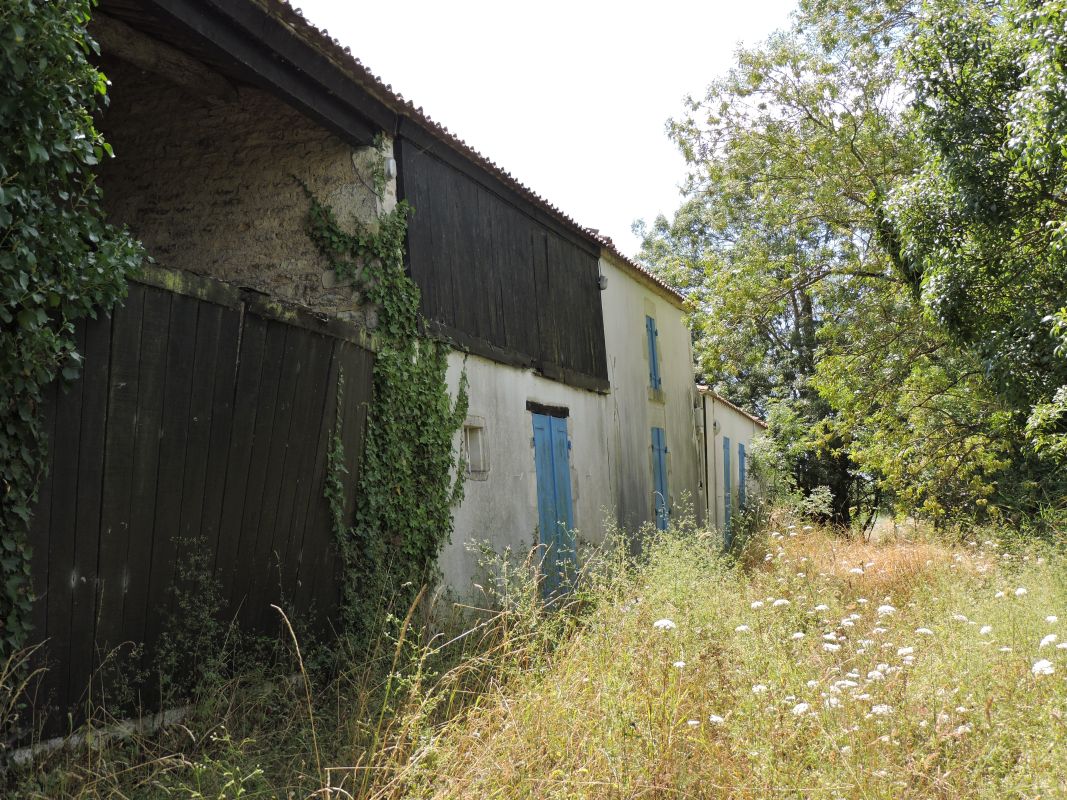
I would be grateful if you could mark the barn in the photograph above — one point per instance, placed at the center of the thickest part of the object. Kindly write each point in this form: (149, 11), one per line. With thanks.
(202, 423)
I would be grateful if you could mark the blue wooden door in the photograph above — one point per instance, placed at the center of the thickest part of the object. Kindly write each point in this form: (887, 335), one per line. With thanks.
(659, 477)
(555, 508)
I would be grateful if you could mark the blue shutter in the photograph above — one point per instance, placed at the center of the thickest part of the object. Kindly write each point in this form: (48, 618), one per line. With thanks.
(727, 484)
(659, 477)
(555, 509)
(653, 353)
(741, 475)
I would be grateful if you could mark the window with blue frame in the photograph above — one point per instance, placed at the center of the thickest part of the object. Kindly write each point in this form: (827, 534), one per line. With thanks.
(654, 379)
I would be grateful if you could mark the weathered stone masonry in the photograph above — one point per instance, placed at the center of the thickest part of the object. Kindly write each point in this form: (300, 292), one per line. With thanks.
(215, 188)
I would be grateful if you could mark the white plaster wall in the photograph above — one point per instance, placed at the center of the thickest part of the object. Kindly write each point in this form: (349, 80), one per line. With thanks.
(611, 434)
(503, 508)
(635, 409)
(739, 428)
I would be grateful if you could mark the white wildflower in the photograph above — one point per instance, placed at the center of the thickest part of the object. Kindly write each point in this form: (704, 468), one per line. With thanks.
(1050, 639)
(1021, 592)
(1042, 667)
(831, 648)
(856, 571)
(885, 610)
(742, 629)
(924, 631)
(715, 719)
(664, 625)
(905, 651)
(881, 710)
(963, 730)
(800, 709)
(875, 675)
(692, 723)
(756, 604)
(959, 618)
(985, 630)
(1052, 619)
(1004, 649)
(797, 636)
(999, 595)
(781, 601)
(679, 664)
(759, 688)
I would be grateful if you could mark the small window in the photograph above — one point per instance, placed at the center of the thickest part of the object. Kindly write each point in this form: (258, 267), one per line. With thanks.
(475, 449)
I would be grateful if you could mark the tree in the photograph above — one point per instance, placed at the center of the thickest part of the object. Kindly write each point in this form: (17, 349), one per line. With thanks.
(791, 157)
(983, 222)
(815, 299)
(59, 261)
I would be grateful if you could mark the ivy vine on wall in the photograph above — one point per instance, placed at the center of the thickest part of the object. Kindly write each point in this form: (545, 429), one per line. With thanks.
(59, 261)
(409, 481)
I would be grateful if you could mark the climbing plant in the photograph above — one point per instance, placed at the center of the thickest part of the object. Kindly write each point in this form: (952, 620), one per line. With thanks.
(59, 261)
(408, 481)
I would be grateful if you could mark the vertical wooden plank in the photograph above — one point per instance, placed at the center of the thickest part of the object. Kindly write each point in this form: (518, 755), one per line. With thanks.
(222, 411)
(318, 530)
(119, 467)
(173, 436)
(246, 413)
(254, 497)
(155, 324)
(480, 276)
(63, 520)
(550, 300)
(40, 540)
(198, 435)
(266, 566)
(356, 365)
(447, 289)
(40, 525)
(300, 465)
(90, 485)
(421, 255)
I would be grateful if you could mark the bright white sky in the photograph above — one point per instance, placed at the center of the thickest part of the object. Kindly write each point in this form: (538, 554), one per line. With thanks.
(569, 97)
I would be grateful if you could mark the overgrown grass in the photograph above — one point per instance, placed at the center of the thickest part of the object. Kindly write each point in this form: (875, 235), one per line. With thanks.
(810, 666)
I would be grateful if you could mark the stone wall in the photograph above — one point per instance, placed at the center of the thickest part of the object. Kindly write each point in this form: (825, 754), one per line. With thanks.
(215, 188)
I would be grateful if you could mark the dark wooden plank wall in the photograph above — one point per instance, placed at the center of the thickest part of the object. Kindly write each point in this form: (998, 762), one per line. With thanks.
(196, 424)
(497, 281)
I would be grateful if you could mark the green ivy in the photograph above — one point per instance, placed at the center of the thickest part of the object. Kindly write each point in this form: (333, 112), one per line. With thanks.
(407, 487)
(59, 261)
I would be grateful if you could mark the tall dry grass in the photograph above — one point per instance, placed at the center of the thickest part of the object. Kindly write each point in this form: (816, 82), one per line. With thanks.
(810, 666)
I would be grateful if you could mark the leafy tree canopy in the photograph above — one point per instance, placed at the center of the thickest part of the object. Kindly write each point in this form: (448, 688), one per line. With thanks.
(824, 291)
